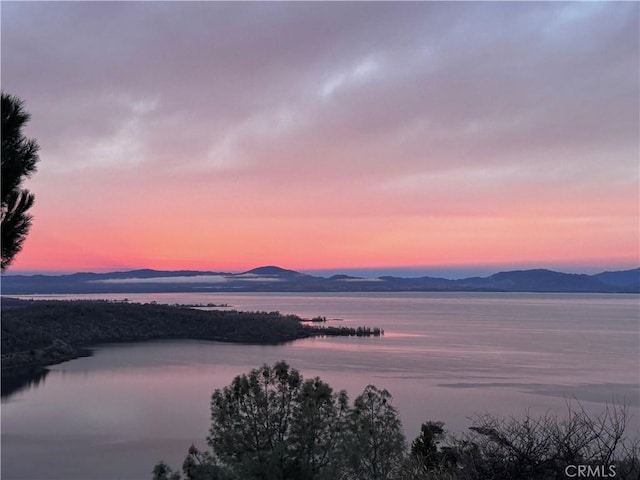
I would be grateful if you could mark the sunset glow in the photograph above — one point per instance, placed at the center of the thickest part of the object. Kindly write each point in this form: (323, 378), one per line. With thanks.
(224, 136)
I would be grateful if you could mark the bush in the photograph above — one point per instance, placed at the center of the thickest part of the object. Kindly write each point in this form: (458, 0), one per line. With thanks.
(271, 424)
(542, 448)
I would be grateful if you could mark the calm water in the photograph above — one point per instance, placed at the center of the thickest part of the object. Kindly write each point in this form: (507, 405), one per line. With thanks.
(443, 357)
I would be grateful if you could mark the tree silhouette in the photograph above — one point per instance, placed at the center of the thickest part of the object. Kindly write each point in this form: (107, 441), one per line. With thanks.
(272, 424)
(19, 158)
(378, 443)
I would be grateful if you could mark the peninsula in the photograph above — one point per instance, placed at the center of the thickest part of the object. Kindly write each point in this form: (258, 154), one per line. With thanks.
(39, 333)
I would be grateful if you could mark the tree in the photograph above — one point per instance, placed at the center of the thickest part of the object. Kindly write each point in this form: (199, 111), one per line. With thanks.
(251, 421)
(426, 450)
(427, 458)
(426, 444)
(19, 158)
(378, 444)
(203, 466)
(271, 424)
(163, 472)
(318, 431)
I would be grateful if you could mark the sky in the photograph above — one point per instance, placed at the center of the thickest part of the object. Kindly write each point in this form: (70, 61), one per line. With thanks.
(426, 137)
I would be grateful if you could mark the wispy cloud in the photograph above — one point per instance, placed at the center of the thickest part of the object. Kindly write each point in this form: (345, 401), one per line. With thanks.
(192, 279)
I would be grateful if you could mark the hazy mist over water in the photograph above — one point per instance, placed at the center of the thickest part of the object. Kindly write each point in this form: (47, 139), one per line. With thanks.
(443, 357)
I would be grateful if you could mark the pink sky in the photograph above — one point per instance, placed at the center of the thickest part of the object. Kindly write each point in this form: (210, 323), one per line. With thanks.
(224, 136)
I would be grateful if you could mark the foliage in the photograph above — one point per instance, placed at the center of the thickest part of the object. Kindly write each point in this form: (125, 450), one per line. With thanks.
(163, 472)
(46, 326)
(427, 458)
(203, 466)
(271, 424)
(19, 158)
(378, 443)
(539, 448)
(426, 444)
(38, 325)
(529, 448)
(319, 425)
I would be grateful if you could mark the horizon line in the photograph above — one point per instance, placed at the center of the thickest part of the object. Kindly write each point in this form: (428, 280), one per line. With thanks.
(450, 272)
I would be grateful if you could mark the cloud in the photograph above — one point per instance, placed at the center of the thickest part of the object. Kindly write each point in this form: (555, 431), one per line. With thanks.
(193, 279)
(189, 279)
(488, 76)
(328, 109)
(351, 78)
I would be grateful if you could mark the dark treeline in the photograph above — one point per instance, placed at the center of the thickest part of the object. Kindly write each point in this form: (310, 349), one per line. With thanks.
(46, 332)
(318, 319)
(353, 332)
(271, 424)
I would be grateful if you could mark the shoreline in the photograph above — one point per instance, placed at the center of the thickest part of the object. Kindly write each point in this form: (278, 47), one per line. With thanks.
(46, 332)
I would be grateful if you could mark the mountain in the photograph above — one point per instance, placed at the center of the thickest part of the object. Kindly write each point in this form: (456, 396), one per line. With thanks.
(272, 270)
(275, 279)
(539, 281)
(626, 278)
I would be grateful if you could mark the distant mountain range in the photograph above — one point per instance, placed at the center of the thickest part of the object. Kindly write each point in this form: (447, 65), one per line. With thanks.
(276, 279)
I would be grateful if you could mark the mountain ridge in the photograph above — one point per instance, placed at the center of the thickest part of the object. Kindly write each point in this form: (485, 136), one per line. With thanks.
(276, 279)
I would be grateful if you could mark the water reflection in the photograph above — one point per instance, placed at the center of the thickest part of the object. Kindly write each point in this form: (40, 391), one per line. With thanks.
(15, 381)
(119, 412)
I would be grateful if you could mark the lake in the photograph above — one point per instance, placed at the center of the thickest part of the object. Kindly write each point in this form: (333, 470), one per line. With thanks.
(444, 356)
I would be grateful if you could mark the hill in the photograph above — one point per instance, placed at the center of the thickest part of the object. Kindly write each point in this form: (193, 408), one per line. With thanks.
(276, 279)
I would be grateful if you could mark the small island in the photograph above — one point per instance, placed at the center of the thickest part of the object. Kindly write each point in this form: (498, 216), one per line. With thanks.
(46, 332)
